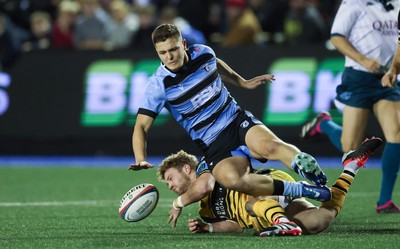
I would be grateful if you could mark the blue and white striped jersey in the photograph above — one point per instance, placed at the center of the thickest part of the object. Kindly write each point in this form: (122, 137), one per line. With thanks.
(370, 28)
(196, 97)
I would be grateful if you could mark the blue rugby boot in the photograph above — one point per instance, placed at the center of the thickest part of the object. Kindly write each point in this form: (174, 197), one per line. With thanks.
(318, 193)
(306, 166)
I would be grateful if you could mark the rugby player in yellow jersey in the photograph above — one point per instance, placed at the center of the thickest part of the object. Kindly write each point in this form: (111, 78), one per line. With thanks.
(224, 210)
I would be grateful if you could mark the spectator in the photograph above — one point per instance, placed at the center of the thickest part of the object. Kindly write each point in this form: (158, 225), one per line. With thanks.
(271, 14)
(40, 38)
(327, 9)
(215, 22)
(243, 26)
(91, 29)
(192, 36)
(148, 23)
(9, 47)
(63, 27)
(195, 12)
(304, 24)
(19, 11)
(124, 24)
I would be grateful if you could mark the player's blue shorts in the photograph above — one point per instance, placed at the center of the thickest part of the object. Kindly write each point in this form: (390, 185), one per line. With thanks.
(231, 141)
(362, 89)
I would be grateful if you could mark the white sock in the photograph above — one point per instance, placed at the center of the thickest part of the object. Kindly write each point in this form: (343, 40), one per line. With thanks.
(281, 219)
(352, 166)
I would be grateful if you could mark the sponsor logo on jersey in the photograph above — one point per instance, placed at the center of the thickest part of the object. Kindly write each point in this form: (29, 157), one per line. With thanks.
(244, 124)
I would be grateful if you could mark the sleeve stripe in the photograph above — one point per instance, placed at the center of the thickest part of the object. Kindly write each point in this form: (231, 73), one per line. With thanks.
(336, 34)
(147, 112)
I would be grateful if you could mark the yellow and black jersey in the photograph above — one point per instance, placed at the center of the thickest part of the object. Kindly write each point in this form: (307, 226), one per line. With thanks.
(223, 204)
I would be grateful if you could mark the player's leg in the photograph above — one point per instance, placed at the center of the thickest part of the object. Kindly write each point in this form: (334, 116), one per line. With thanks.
(346, 137)
(268, 211)
(313, 220)
(233, 173)
(263, 143)
(302, 211)
(352, 162)
(354, 124)
(388, 115)
(310, 218)
(323, 124)
(269, 218)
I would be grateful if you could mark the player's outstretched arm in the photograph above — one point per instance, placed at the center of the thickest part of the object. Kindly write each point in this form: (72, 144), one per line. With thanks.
(139, 140)
(196, 225)
(203, 185)
(228, 75)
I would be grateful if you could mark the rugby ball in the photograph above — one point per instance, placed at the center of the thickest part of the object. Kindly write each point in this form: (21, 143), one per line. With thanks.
(138, 202)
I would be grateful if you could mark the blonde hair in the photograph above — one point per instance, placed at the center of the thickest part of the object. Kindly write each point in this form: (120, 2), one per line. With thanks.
(119, 5)
(69, 6)
(177, 160)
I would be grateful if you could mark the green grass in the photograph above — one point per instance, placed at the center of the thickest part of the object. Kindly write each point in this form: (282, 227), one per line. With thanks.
(78, 208)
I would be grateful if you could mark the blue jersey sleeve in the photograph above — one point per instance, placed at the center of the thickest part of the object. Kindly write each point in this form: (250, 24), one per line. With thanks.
(154, 99)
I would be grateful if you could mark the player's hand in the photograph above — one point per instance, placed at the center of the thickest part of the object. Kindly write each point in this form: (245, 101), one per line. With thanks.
(389, 79)
(141, 165)
(173, 216)
(196, 225)
(259, 80)
(372, 65)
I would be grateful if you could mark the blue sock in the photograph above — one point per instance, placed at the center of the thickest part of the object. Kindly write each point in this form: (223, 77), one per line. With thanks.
(293, 189)
(390, 168)
(334, 132)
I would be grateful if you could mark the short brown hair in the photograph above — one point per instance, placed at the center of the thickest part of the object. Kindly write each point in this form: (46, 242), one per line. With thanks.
(164, 32)
(177, 161)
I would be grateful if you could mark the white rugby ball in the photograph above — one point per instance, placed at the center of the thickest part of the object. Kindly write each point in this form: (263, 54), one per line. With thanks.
(138, 202)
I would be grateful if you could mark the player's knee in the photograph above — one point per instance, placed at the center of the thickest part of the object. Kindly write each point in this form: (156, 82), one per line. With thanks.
(268, 148)
(317, 225)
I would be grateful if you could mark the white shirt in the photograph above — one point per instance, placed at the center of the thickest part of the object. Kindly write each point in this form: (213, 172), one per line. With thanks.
(369, 28)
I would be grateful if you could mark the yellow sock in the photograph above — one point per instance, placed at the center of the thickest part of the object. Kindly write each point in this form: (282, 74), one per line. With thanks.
(268, 210)
(339, 191)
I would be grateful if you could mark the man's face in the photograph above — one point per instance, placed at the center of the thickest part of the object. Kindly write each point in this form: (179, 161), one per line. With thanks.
(172, 53)
(177, 181)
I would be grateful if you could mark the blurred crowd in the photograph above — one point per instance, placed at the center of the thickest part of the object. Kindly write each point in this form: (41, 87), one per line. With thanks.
(27, 25)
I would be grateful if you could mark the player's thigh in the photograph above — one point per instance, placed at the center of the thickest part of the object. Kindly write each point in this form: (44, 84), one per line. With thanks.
(309, 217)
(297, 206)
(354, 125)
(231, 170)
(388, 115)
(261, 141)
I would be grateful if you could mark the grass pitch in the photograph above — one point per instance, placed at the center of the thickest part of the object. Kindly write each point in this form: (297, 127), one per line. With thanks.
(59, 207)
